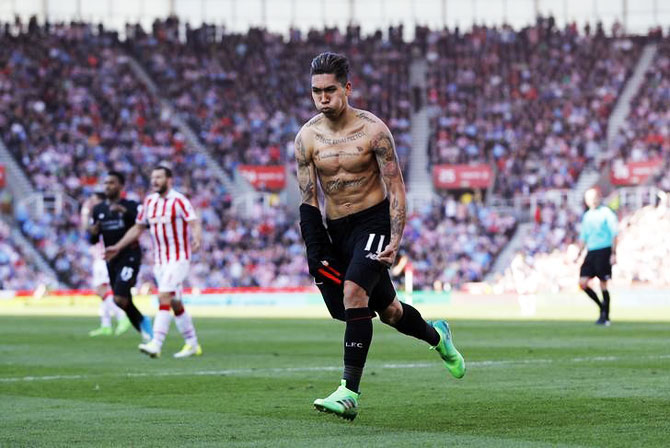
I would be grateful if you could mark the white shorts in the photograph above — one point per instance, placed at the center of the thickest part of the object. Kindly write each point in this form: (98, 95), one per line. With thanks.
(100, 274)
(170, 276)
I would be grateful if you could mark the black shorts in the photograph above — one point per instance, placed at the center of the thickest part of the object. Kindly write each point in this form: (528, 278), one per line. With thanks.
(123, 270)
(357, 239)
(597, 264)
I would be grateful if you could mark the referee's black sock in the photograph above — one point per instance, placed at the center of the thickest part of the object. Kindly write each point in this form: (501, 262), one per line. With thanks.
(592, 294)
(357, 339)
(411, 323)
(131, 311)
(606, 304)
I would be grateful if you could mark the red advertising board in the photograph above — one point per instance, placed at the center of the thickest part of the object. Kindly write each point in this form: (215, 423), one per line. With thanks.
(3, 178)
(634, 173)
(462, 176)
(272, 177)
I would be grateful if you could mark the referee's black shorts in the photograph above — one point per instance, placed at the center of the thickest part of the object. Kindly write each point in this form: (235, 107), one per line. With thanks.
(597, 264)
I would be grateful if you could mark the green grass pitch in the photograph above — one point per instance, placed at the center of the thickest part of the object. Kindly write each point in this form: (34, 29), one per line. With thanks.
(528, 384)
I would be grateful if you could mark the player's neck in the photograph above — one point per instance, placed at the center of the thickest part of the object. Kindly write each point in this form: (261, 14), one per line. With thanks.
(341, 121)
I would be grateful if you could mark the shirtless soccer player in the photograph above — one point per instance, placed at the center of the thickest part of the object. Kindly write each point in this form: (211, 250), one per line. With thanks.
(352, 154)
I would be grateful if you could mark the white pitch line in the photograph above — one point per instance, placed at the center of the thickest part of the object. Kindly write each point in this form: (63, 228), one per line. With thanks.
(251, 371)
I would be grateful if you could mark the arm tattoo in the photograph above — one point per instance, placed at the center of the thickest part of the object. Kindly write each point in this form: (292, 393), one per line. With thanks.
(384, 150)
(306, 175)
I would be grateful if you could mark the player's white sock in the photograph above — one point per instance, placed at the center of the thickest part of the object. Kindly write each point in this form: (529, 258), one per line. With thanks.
(117, 312)
(111, 308)
(162, 324)
(186, 328)
(105, 315)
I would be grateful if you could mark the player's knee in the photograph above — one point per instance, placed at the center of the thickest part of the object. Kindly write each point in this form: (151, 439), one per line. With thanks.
(392, 314)
(177, 306)
(121, 302)
(354, 296)
(583, 283)
(165, 298)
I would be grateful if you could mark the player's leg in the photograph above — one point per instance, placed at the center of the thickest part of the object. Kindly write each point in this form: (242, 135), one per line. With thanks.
(407, 320)
(357, 338)
(605, 310)
(163, 317)
(357, 333)
(124, 277)
(105, 329)
(584, 285)
(586, 272)
(161, 326)
(184, 323)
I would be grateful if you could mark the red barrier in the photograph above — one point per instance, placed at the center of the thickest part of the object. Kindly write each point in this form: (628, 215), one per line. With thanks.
(462, 176)
(634, 173)
(264, 177)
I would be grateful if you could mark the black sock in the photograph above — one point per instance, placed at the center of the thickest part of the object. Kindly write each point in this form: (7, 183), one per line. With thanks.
(132, 312)
(412, 324)
(357, 338)
(606, 303)
(592, 294)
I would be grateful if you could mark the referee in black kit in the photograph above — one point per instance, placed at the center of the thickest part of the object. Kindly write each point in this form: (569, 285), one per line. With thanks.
(598, 234)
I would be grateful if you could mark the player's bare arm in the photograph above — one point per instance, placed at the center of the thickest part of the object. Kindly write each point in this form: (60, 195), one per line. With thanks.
(383, 147)
(306, 171)
(196, 236)
(132, 235)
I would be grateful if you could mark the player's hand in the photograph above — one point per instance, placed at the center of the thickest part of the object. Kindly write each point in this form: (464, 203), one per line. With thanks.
(94, 229)
(387, 256)
(111, 252)
(613, 259)
(195, 245)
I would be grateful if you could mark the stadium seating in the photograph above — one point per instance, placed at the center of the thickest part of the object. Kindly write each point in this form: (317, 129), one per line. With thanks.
(535, 102)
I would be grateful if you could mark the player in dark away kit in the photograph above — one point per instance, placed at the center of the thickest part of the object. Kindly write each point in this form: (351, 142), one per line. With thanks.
(112, 218)
(351, 154)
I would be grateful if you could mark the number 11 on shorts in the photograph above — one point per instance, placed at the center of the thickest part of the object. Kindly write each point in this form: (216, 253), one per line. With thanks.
(371, 239)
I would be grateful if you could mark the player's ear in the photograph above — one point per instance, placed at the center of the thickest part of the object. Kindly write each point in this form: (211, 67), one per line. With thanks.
(347, 88)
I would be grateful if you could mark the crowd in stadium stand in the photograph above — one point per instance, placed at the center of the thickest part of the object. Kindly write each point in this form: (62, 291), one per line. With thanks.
(642, 257)
(645, 134)
(533, 102)
(247, 95)
(454, 243)
(16, 271)
(72, 107)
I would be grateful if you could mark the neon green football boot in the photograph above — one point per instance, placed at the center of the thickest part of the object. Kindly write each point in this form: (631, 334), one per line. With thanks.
(453, 360)
(122, 326)
(343, 403)
(102, 331)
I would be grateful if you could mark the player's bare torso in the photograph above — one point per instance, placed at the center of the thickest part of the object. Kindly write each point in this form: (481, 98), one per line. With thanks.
(345, 162)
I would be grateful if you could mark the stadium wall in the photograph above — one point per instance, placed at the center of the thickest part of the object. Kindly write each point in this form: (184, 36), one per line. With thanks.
(635, 303)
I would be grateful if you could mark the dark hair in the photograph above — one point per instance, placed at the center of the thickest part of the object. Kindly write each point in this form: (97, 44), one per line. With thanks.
(331, 63)
(168, 171)
(121, 178)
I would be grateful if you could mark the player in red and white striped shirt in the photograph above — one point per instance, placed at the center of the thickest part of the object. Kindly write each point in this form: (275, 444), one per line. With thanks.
(175, 232)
